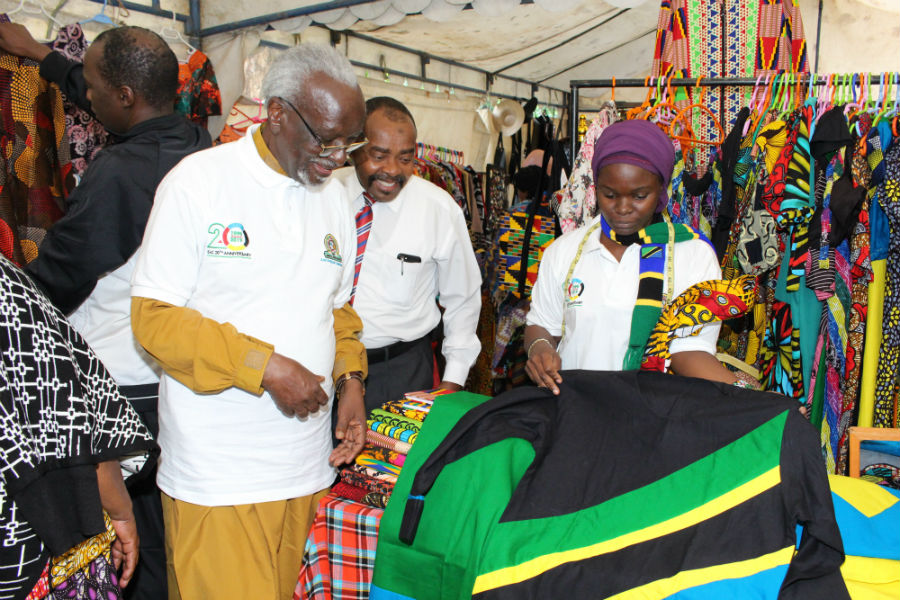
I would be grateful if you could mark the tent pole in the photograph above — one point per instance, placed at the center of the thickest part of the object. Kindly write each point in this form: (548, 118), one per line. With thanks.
(154, 10)
(418, 77)
(280, 16)
(818, 36)
(448, 61)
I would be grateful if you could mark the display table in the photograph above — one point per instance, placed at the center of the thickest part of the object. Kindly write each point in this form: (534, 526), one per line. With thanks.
(339, 558)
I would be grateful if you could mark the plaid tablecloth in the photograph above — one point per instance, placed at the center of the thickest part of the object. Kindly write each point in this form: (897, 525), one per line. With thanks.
(340, 551)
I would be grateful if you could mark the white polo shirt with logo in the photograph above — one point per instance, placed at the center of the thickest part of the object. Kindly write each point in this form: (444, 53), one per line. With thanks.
(236, 241)
(599, 300)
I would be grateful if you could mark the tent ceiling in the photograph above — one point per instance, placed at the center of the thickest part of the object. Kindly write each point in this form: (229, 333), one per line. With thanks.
(532, 43)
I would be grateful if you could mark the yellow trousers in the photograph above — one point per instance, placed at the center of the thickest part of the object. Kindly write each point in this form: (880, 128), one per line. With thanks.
(240, 552)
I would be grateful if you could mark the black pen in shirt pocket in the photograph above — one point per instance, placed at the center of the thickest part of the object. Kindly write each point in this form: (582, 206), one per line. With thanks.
(407, 258)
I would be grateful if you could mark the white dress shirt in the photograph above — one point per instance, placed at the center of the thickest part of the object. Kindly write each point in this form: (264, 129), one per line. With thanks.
(396, 299)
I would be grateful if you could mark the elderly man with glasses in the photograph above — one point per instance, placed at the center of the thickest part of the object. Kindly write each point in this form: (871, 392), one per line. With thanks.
(241, 295)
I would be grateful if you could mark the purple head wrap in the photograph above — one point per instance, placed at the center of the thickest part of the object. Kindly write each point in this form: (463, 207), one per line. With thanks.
(638, 143)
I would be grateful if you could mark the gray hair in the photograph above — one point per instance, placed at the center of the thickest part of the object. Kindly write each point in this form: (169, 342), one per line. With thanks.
(289, 72)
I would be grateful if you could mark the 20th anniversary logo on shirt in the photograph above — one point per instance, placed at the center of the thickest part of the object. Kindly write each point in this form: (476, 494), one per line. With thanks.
(229, 241)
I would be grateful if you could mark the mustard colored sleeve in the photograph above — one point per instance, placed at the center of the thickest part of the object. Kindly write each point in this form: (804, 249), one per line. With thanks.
(203, 354)
(349, 352)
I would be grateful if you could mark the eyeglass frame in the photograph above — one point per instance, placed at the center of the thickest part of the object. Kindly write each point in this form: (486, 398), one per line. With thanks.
(324, 151)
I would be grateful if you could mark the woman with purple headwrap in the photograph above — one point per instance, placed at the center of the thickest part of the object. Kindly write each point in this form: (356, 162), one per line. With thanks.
(600, 288)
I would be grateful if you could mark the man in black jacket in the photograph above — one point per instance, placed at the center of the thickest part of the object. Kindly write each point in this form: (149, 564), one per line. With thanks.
(128, 81)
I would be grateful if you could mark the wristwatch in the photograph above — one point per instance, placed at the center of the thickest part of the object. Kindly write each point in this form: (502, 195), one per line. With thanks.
(339, 384)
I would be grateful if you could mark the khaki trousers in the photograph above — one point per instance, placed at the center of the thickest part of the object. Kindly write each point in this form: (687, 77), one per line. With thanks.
(248, 551)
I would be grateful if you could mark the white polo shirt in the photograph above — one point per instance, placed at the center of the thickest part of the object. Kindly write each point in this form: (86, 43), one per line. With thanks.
(236, 241)
(600, 300)
(396, 299)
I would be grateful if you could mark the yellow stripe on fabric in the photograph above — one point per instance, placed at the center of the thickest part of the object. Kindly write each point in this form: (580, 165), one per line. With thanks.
(868, 499)
(874, 318)
(650, 275)
(684, 580)
(871, 578)
(716, 506)
(649, 302)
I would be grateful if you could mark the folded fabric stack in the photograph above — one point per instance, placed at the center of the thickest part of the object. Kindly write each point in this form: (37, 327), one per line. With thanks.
(392, 430)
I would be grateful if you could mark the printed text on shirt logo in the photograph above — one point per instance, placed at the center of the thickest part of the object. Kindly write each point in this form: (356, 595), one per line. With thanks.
(228, 241)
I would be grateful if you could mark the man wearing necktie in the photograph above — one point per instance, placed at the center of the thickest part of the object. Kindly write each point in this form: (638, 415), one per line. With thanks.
(414, 258)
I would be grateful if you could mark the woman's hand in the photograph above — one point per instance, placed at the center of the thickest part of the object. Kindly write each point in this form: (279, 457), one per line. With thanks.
(117, 504)
(543, 366)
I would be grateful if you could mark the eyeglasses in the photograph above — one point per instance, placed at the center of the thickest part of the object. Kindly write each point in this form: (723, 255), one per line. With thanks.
(325, 151)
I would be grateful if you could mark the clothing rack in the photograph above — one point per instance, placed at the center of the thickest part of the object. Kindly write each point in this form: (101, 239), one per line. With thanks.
(577, 84)
(428, 151)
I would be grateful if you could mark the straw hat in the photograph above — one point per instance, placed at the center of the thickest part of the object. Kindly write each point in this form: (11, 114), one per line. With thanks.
(509, 116)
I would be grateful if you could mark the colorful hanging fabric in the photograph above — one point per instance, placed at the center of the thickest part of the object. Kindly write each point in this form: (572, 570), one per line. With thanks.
(702, 303)
(781, 45)
(886, 386)
(728, 38)
(35, 174)
(198, 96)
(576, 202)
(797, 207)
(780, 354)
(86, 134)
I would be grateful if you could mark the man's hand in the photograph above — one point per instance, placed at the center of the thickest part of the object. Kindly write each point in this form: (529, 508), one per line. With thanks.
(351, 423)
(125, 548)
(449, 385)
(295, 389)
(16, 39)
(543, 367)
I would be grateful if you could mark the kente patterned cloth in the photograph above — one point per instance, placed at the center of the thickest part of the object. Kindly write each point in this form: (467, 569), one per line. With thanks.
(339, 557)
(886, 386)
(576, 203)
(648, 306)
(198, 96)
(86, 134)
(377, 439)
(404, 434)
(36, 173)
(727, 38)
(702, 303)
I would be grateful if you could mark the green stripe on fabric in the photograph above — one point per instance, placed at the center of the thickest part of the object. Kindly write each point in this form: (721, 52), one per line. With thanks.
(717, 474)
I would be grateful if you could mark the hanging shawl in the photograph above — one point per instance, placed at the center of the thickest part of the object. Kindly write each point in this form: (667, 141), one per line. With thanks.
(702, 303)
(656, 241)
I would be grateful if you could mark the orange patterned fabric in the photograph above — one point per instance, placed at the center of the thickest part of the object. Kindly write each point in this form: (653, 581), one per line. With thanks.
(36, 176)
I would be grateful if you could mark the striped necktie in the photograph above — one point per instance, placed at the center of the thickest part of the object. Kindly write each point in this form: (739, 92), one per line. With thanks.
(363, 227)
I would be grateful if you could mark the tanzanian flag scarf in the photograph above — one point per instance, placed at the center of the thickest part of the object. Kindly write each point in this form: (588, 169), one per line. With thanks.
(657, 241)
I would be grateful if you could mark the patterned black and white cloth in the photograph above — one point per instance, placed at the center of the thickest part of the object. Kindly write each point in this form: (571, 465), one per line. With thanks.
(60, 414)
